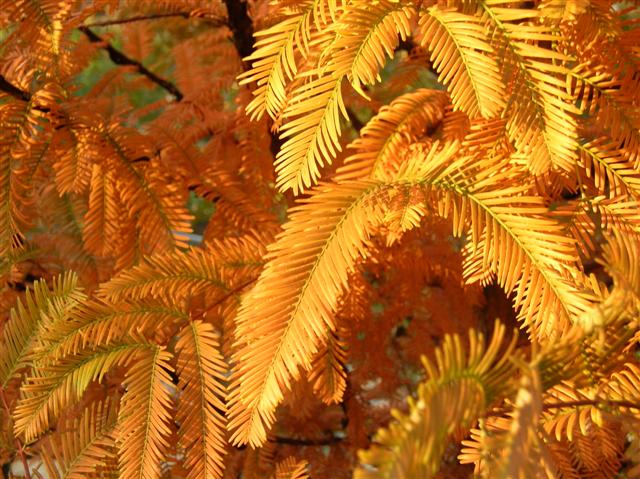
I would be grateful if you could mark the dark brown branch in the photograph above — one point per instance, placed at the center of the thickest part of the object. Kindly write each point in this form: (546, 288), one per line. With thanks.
(355, 121)
(120, 21)
(307, 442)
(19, 94)
(18, 443)
(13, 90)
(240, 25)
(407, 45)
(156, 16)
(120, 58)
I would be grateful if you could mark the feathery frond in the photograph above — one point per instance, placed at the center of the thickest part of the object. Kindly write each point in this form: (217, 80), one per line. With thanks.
(499, 222)
(51, 389)
(201, 374)
(386, 137)
(20, 335)
(290, 468)
(143, 420)
(83, 447)
(357, 52)
(539, 112)
(458, 388)
(175, 276)
(287, 315)
(274, 62)
(463, 58)
(328, 374)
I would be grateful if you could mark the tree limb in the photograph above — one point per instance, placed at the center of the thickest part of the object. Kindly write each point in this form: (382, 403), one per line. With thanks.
(13, 90)
(240, 25)
(120, 58)
(307, 442)
(120, 21)
(156, 16)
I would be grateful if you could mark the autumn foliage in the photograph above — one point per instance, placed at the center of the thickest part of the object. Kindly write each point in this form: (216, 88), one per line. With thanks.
(319, 238)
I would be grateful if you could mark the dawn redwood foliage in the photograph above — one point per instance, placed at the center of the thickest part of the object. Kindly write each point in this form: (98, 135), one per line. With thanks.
(319, 238)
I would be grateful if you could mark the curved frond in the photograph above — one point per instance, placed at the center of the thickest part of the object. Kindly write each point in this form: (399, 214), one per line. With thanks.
(621, 260)
(462, 383)
(624, 385)
(328, 374)
(219, 269)
(273, 63)
(286, 316)
(95, 324)
(366, 35)
(157, 209)
(572, 420)
(608, 98)
(539, 110)
(313, 133)
(385, 138)
(291, 468)
(463, 58)
(500, 219)
(51, 389)
(312, 136)
(607, 162)
(22, 127)
(201, 374)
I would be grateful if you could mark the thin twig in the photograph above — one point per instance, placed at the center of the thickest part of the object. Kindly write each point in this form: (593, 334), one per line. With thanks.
(120, 21)
(235, 290)
(307, 442)
(218, 22)
(18, 443)
(120, 58)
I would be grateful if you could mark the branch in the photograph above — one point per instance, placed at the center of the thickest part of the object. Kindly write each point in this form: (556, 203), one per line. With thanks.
(120, 58)
(240, 25)
(116, 57)
(14, 91)
(355, 121)
(121, 21)
(156, 16)
(307, 442)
